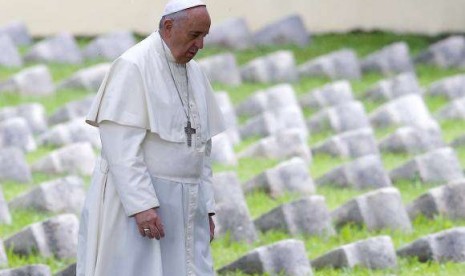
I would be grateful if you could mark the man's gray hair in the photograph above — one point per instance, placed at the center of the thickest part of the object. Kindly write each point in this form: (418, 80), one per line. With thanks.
(175, 17)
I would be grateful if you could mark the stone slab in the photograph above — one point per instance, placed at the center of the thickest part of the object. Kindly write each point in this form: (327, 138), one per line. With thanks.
(286, 257)
(276, 67)
(362, 173)
(450, 88)
(332, 94)
(342, 64)
(398, 86)
(232, 33)
(60, 48)
(391, 59)
(109, 46)
(350, 144)
(13, 166)
(9, 56)
(15, 132)
(222, 68)
(88, 79)
(288, 30)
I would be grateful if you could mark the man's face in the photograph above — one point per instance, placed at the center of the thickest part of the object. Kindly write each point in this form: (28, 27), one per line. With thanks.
(185, 37)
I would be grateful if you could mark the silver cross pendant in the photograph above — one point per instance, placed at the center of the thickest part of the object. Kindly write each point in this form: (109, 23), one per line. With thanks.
(189, 131)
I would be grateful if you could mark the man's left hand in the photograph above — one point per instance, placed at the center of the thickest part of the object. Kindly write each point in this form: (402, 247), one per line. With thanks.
(212, 228)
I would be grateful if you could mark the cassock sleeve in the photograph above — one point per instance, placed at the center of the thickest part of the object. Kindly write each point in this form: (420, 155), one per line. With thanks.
(206, 187)
(121, 147)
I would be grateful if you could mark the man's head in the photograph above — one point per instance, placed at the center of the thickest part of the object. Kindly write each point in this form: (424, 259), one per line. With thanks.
(184, 30)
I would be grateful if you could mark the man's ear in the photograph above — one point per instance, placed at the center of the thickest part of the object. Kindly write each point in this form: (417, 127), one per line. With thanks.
(168, 27)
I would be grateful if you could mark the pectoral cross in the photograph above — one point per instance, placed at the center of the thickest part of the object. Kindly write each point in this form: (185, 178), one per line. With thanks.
(189, 131)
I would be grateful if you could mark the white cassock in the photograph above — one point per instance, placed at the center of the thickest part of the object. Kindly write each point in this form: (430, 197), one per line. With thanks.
(146, 163)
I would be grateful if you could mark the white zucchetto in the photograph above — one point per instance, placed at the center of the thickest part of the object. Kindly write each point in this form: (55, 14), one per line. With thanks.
(179, 5)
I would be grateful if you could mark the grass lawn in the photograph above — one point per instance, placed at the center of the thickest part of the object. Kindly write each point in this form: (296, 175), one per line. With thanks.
(224, 249)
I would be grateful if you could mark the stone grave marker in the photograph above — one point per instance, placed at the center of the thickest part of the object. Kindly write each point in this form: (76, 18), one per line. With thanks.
(308, 215)
(15, 132)
(288, 30)
(332, 94)
(444, 246)
(362, 173)
(221, 68)
(413, 139)
(291, 176)
(435, 166)
(276, 67)
(446, 53)
(342, 64)
(61, 48)
(9, 56)
(64, 195)
(77, 158)
(56, 237)
(232, 213)
(232, 33)
(446, 200)
(32, 81)
(88, 79)
(373, 253)
(13, 166)
(391, 59)
(109, 46)
(287, 256)
(378, 209)
(339, 118)
(350, 144)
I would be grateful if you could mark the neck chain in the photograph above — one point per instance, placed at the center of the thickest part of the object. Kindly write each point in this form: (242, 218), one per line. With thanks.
(188, 130)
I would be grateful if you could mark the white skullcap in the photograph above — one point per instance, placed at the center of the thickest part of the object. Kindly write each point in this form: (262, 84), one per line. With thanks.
(180, 5)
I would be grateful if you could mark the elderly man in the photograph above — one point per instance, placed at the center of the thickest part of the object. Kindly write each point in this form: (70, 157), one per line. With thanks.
(148, 210)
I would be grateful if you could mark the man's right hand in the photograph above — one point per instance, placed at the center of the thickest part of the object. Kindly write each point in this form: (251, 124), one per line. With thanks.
(149, 219)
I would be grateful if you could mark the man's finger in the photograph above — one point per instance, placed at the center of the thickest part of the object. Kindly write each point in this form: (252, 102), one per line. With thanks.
(141, 231)
(155, 232)
(160, 228)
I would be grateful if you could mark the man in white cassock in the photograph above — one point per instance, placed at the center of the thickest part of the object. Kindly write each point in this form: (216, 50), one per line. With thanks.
(148, 209)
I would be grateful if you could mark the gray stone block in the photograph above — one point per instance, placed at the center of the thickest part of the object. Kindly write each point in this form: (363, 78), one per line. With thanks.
(74, 131)
(5, 217)
(232, 33)
(446, 200)
(68, 271)
(400, 85)
(391, 59)
(33, 113)
(332, 94)
(413, 139)
(450, 88)
(455, 110)
(15, 132)
(271, 122)
(232, 213)
(446, 53)
(435, 166)
(56, 237)
(361, 173)
(88, 79)
(29, 270)
(308, 216)
(13, 166)
(71, 110)
(276, 67)
(9, 56)
(407, 110)
(282, 145)
(289, 176)
(342, 64)
(373, 253)
(18, 33)
(61, 48)
(222, 69)
(64, 195)
(275, 97)
(458, 142)
(339, 118)
(109, 46)
(77, 158)
(33, 81)
(223, 150)
(378, 209)
(350, 144)
(3, 256)
(229, 115)
(443, 246)
(286, 257)
(288, 30)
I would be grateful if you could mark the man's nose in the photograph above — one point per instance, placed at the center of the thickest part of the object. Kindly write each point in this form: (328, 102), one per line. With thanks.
(199, 42)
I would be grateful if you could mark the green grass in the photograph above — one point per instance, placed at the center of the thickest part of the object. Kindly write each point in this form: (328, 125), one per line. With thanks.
(224, 249)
